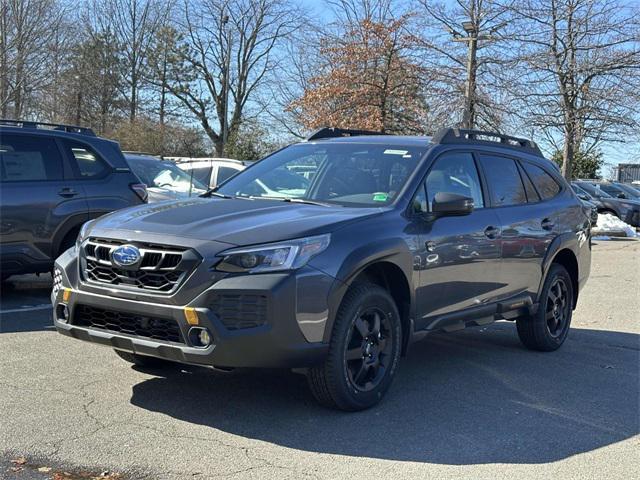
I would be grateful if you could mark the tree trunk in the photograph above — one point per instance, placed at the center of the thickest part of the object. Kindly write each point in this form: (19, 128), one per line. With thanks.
(4, 67)
(568, 150)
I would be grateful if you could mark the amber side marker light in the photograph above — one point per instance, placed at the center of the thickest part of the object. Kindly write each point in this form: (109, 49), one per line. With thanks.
(191, 315)
(66, 294)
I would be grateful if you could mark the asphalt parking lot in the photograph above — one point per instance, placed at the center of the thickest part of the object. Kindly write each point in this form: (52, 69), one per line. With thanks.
(473, 404)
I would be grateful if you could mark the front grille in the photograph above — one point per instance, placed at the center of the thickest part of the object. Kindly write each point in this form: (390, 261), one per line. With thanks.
(162, 329)
(239, 311)
(161, 268)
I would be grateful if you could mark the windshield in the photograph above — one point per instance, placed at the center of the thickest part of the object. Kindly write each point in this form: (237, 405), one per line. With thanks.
(629, 190)
(341, 173)
(161, 174)
(594, 191)
(612, 190)
(580, 191)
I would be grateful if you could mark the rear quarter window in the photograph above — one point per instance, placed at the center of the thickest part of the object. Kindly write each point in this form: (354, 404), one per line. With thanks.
(88, 163)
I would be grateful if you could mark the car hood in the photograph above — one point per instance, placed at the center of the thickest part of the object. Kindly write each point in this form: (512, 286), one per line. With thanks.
(233, 221)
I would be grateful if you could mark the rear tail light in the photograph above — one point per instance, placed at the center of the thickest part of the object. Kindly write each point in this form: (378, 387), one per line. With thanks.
(140, 189)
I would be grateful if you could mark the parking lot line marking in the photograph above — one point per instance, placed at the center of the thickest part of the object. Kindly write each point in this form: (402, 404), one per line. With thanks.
(32, 308)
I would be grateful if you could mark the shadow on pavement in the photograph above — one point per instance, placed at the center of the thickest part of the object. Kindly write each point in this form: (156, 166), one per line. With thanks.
(475, 397)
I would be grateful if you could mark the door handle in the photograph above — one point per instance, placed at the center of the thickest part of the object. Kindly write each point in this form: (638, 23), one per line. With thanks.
(491, 232)
(547, 224)
(67, 192)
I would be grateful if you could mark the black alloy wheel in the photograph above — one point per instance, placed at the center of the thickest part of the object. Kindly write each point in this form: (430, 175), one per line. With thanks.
(368, 349)
(547, 328)
(557, 308)
(364, 351)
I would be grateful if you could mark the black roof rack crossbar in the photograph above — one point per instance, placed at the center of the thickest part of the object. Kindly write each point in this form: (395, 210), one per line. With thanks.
(331, 132)
(48, 126)
(463, 136)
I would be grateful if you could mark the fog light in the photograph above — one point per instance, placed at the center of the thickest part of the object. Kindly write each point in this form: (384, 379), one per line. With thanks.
(62, 313)
(204, 337)
(200, 337)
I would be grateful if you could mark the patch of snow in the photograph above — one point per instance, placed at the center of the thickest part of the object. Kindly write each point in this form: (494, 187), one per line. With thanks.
(608, 223)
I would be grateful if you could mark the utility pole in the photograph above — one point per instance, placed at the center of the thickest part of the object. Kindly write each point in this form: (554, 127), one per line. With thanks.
(472, 38)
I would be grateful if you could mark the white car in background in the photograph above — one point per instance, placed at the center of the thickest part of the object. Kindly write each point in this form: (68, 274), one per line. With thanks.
(282, 182)
(164, 180)
(209, 171)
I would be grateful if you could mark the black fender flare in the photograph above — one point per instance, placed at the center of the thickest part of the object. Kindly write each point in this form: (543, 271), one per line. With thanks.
(73, 222)
(564, 241)
(393, 251)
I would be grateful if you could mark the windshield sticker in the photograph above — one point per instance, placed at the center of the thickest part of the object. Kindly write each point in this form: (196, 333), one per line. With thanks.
(380, 197)
(396, 152)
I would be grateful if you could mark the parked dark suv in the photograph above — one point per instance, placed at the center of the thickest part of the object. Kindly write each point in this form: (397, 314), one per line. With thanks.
(627, 210)
(391, 239)
(54, 178)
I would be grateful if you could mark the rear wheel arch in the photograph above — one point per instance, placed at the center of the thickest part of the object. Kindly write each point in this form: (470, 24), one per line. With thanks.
(567, 258)
(608, 210)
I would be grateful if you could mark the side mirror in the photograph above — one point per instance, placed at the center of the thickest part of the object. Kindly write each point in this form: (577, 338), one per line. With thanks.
(621, 195)
(445, 203)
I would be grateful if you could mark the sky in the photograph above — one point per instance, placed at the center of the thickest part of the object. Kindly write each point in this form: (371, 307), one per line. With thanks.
(614, 153)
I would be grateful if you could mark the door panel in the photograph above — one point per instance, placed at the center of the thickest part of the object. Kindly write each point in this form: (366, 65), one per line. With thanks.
(459, 264)
(527, 223)
(460, 256)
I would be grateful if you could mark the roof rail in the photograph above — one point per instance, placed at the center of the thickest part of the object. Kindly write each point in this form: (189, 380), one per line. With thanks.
(143, 154)
(479, 137)
(47, 126)
(331, 132)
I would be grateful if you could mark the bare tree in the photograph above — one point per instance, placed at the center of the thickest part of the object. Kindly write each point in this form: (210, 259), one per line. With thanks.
(578, 74)
(28, 27)
(465, 56)
(133, 23)
(226, 55)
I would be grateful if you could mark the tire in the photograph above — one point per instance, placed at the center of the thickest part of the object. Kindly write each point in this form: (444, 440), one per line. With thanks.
(142, 360)
(548, 328)
(364, 351)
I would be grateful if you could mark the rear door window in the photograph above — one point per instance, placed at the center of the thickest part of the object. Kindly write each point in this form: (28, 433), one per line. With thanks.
(25, 158)
(532, 194)
(504, 180)
(545, 184)
(88, 163)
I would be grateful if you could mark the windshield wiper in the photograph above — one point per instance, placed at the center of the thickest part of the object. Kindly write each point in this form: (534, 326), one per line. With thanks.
(211, 192)
(308, 202)
(286, 199)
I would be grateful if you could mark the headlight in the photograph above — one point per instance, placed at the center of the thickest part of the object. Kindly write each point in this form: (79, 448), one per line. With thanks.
(83, 232)
(274, 257)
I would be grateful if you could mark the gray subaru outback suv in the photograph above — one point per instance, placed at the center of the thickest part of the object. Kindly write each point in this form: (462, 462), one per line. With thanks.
(391, 238)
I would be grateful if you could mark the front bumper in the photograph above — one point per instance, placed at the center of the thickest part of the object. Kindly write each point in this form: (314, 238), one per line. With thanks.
(294, 319)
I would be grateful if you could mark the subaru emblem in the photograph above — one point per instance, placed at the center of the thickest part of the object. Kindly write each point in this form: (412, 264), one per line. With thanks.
(126, 256)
